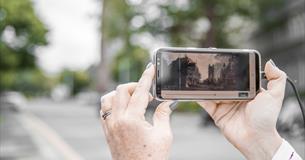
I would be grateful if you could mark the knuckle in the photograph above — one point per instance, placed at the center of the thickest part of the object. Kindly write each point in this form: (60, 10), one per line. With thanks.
(102, 99)
(132, 83)
(284, 75)
(125, 86)
(120, 87)
(103, 102)
(106, 96)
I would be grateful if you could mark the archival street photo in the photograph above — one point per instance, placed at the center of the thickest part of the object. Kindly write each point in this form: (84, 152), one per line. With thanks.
(205, 72)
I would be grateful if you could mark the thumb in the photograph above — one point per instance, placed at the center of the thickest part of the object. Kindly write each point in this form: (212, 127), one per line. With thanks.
(276, 80)
(162, 114)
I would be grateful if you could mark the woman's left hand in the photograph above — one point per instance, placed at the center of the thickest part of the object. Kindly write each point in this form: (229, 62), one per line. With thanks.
(128, 134)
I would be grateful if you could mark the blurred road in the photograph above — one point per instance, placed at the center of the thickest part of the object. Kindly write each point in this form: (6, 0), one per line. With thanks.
(71, 130)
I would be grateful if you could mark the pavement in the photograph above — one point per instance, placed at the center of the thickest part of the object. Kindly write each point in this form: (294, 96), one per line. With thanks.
(71, 130)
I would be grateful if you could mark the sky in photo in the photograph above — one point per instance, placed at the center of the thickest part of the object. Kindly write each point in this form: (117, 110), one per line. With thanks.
(74, 39)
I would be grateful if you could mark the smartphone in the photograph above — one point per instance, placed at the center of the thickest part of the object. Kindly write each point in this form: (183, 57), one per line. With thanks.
(191, 74)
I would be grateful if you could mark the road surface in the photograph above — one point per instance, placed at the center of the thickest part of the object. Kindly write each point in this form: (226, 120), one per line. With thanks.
(71, 130)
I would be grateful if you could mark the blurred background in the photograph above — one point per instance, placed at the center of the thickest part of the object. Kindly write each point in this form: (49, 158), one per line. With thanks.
(57, 57)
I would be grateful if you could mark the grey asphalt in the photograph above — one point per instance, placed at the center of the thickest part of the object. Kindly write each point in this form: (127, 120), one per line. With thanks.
(79, 126)
(14, 139)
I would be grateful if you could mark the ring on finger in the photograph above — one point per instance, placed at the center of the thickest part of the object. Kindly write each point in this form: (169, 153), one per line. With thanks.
(106, 114)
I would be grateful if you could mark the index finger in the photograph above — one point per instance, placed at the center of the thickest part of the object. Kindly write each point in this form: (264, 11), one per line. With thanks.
(140, 97)
(123, 94)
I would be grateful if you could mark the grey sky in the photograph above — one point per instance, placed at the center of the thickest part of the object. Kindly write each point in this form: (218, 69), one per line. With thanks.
(74, 37)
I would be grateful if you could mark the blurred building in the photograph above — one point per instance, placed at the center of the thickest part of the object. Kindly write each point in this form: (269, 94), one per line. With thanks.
(183, 72)
(284, 43)
(192, 75)
(211, 77)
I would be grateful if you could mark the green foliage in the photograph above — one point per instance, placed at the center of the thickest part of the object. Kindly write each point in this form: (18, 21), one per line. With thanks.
(31, 82)
(130, 60)
(116, 19)
(76, 80)
(129, 64)
(188, 106)
(21, 32)
(177, 25)
(215, 12)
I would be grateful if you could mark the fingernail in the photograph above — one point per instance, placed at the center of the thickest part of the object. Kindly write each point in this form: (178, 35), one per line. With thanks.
(271, 61)
(148, 65)
(174, 105)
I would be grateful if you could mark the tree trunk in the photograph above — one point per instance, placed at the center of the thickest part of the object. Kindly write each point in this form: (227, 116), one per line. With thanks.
(103, 79)
(210, 39)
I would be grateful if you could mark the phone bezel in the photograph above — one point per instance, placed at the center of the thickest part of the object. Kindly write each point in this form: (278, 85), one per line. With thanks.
(211, 50)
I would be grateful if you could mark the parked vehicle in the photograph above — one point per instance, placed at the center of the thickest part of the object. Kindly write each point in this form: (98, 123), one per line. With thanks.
(12, 100)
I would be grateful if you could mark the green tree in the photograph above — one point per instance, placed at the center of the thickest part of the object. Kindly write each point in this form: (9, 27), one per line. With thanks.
(197, 23)
(130, 60)
(77, 80)
(128, 66)
(181, 23)
(30, 82)
(21, 32)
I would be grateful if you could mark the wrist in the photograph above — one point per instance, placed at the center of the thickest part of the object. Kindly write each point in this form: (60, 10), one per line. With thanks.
(262, 146)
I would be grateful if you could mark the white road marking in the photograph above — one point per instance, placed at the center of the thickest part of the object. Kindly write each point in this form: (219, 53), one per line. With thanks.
(38, 128)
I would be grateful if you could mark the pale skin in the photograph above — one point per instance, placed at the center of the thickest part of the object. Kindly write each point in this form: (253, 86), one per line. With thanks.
(128, 134)
(249, 125)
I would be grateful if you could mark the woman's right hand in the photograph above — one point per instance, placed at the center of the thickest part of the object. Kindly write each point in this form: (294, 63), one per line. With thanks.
(251, 126)
(129, 135)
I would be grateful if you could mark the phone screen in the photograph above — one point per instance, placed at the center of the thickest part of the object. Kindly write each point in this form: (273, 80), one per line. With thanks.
(187, 74)
(206, 72)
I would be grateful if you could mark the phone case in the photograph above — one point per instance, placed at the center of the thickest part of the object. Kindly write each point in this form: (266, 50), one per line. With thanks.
(218, 50)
